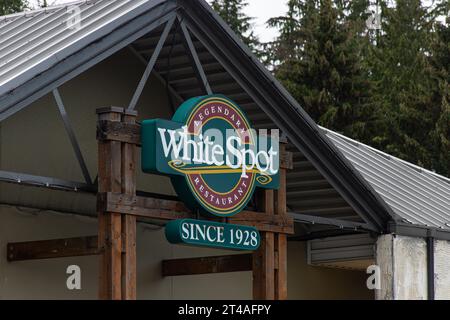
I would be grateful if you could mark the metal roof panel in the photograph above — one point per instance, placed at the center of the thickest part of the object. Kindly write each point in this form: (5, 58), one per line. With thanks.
(417, 195)
(28, 39)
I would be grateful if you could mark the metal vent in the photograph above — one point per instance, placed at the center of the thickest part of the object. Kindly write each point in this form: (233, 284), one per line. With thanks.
(349, 252)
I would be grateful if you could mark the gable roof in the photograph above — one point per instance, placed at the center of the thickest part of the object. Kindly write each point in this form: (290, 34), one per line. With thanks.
(42, 52)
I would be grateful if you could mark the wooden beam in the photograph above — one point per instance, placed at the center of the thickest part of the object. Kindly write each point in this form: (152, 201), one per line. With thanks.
(110, 223)
(205, 265)
(170, 210)
(119, 131)
(49, 249)
(264, 222)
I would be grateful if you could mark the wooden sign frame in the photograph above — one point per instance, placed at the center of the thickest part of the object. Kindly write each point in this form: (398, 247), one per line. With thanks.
(118, 140)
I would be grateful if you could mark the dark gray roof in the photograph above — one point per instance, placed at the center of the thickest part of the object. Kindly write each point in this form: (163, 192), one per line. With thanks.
(38, 52)
(32, 41)
(416, 195)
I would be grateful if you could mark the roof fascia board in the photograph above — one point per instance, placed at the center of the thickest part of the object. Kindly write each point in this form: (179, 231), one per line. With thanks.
(89, 52)
(342, 224)
(283, 109)
(417, 231)
(45, 182)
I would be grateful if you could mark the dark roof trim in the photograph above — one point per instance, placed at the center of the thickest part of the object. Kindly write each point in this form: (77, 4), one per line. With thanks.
(224, 45)
(417, 231)
(341, 224)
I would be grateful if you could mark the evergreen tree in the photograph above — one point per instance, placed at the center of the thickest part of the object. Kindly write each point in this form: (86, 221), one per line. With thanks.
(399, 66)
(387, 87)
(322, 67)
(286, 48)
(440, 68)
(232, 12)
(12, 6)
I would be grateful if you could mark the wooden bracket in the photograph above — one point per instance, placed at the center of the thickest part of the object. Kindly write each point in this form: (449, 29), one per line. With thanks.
(119, 131)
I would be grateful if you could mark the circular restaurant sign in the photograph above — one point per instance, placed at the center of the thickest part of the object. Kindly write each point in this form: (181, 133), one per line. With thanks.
(213, 156)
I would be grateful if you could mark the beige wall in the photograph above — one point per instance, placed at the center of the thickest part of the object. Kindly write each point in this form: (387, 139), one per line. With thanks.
(34, 141)
(312, 282)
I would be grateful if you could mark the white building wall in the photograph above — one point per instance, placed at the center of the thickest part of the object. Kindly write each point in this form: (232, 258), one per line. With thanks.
(410, 268)
(442, 269)
(403, 264)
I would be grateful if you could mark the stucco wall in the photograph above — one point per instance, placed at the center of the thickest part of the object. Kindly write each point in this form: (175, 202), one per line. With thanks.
(34, 141)
(403, 263)
(442, 269)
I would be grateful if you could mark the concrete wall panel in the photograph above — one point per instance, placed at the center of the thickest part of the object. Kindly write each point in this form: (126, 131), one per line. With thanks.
(403, 265)
(442, 269)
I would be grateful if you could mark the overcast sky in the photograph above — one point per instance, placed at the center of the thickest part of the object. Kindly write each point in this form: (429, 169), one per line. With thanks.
(261, 10)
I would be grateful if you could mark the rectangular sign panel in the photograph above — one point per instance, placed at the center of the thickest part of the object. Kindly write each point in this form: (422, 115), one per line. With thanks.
(212, 234)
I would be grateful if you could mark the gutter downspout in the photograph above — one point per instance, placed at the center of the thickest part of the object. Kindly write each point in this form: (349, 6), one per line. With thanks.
(430, 265)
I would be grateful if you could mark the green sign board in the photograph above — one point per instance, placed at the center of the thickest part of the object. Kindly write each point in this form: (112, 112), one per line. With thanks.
(213, 156)
(212, 234)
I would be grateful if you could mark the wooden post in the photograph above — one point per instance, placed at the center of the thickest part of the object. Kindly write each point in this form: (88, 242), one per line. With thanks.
(129, 155)
(116, 232)
(264, 257)
(270, 260)
(118, 137)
